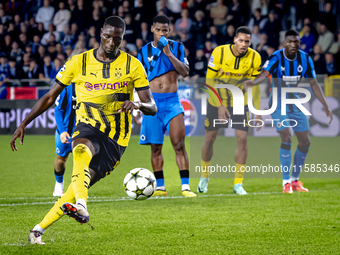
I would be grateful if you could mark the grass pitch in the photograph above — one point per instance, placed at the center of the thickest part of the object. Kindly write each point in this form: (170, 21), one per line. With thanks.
(263, 222)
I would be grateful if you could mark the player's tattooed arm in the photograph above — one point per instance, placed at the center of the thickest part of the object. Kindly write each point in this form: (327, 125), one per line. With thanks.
(41, 106)
(180, 67)
(319, 95)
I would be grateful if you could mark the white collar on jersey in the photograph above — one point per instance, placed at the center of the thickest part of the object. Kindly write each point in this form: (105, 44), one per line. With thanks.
(284, 54)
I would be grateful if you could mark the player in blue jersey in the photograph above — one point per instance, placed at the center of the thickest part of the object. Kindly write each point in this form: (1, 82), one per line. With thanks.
(287, 66)
(65, 116)
(163, 60)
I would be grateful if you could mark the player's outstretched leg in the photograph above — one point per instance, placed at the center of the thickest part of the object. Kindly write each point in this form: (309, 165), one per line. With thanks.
(240, 161)
(177, 136)
(81, 177)
(52, 216)
(76, 211)
(206, 155)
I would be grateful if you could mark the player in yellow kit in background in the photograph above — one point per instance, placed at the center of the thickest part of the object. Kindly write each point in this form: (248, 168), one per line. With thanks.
(230, 64)
(104, 82)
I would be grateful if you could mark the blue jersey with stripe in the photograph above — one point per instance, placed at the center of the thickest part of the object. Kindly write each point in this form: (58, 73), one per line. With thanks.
(163, 65)
(65, 110)
(288, 73)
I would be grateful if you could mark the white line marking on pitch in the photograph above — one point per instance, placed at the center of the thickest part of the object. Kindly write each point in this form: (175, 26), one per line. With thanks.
(16, 244)
(107, 199)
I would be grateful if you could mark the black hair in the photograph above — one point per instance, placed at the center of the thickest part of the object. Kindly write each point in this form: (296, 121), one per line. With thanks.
(12, 59)
(115, 21)
(243, 30)
(291, 33)
(161, 19)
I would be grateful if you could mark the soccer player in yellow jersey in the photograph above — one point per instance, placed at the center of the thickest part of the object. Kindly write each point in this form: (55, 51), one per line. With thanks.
(230, 64)
(104, 81)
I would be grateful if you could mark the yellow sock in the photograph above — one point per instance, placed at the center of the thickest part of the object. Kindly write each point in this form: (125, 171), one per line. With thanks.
(81, 175)
(56, 213)
(240, 168)
(204, 169)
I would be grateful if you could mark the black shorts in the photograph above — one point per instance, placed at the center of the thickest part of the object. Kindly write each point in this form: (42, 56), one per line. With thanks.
(212, 114)
(107, 151)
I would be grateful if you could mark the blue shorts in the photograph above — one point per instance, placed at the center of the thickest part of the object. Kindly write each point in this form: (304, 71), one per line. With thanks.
(153, 127)
(62, 149)
(300, 125)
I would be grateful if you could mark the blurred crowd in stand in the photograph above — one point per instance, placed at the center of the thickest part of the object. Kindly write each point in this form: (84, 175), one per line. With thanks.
(38, 36)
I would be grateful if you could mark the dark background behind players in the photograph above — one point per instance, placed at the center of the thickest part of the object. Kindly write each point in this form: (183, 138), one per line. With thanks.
(71, 27)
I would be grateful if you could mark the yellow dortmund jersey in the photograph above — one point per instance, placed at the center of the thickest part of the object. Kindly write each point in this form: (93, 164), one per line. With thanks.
(101, 89)
(225, 68)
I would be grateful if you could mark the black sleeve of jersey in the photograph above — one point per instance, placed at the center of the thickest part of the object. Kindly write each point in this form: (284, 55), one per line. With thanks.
(60, 83)
(309, 69)
(179, 51)
(142, 88)
(212, 69)
(141, 57)
(275, 65)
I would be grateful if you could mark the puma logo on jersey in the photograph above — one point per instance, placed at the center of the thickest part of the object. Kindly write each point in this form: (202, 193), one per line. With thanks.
(95, 74)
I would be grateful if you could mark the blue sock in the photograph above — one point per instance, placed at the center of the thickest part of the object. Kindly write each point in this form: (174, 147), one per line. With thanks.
(59, 176)
(184, 181)
(159, 178)
(160, 182)
(285, 160)
(299, 160)
(184, 176)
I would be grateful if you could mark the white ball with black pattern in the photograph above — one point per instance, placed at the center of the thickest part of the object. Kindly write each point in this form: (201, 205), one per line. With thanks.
(139, 183)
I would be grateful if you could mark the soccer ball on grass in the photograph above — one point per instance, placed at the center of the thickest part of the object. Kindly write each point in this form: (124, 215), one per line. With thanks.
(139, 183)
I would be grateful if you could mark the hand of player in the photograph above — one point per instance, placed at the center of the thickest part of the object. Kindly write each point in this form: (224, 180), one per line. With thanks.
(128, 106)
(329, 114)
(258, 121)
(167, 50)
(20, 132)
(137, 116)
(223, 112)
(64, 137)
(247, 84)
